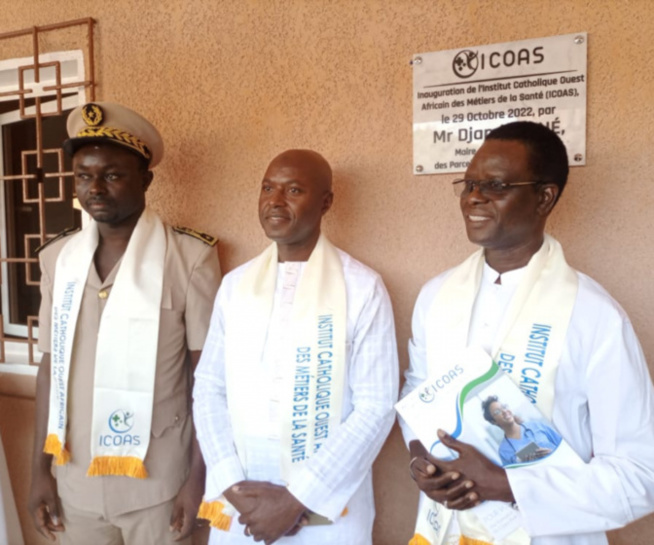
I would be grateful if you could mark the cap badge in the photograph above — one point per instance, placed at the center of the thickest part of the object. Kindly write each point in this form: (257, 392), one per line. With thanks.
(92, 114)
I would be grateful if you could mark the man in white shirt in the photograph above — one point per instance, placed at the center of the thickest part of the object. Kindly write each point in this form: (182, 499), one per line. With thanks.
(597, 392)
(294, 393)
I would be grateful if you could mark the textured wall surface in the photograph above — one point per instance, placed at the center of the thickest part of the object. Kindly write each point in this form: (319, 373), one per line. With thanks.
(231, 84)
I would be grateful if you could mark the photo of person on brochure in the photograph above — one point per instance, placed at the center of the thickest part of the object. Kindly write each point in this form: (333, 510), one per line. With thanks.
(524, 441)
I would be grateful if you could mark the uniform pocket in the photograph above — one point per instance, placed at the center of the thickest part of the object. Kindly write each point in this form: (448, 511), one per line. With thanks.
(170, 413)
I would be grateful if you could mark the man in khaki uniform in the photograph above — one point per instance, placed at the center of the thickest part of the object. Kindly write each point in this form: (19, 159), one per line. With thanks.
(113, 150)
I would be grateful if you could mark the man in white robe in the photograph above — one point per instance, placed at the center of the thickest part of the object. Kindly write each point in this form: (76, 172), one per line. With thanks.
(329, 498)
(602, 392)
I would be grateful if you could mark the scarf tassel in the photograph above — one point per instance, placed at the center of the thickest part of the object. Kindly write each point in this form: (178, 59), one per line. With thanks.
(213, 512)
(464, 540)
(418, 539)
(128, 466)
(53, 446)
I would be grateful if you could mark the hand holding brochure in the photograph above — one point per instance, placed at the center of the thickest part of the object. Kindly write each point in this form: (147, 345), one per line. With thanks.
(476, 402)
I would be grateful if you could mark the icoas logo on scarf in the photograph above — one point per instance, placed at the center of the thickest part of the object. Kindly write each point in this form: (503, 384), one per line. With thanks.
(121, 421)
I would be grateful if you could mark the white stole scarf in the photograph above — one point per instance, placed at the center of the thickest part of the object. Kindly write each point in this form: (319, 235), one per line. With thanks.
(314, 373)
(126, 352)
(528, 346)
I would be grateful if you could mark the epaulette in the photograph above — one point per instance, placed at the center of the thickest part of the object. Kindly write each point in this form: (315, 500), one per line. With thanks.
(64, 233)
(207, 239)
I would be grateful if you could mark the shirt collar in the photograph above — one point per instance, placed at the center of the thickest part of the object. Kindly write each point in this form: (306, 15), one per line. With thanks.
(509, 278)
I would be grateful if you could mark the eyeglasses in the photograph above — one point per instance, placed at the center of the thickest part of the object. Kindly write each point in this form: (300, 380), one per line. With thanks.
(488, 188)
(498, 412)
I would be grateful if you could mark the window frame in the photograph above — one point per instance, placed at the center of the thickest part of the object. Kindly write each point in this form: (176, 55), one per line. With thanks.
(18, 352)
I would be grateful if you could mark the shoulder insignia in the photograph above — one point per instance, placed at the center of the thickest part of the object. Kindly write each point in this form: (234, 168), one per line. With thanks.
(64, 233)
(207, 239)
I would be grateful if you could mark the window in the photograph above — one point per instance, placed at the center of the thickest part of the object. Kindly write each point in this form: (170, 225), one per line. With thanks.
(36, 201)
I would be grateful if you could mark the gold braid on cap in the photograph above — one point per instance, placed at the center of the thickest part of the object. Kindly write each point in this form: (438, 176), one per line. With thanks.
(122, 137)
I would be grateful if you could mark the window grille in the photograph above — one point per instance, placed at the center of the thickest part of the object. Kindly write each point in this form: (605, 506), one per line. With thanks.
(37, 188)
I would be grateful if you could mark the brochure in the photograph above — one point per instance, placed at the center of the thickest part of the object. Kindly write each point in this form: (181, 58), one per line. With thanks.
(476, 402)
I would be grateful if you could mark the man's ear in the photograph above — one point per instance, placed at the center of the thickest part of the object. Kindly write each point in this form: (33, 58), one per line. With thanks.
(547, 197)
(327, 202)
(147, 180)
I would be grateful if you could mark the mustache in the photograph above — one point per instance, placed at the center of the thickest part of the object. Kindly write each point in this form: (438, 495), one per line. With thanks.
(97, 200)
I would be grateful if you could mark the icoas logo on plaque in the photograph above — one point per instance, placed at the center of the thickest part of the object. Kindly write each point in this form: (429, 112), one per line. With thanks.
(465, 63)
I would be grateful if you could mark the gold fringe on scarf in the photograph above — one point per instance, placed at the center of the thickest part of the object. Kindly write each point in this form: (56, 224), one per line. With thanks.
(128, 466)
(53, 446)
(463, 540)
(213, 512)
(417, 539)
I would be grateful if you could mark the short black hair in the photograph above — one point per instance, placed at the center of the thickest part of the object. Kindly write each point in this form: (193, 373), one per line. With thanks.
(548, 158)
(485, 406)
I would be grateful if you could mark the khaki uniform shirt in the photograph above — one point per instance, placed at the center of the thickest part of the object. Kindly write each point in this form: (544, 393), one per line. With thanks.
(191, 278)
